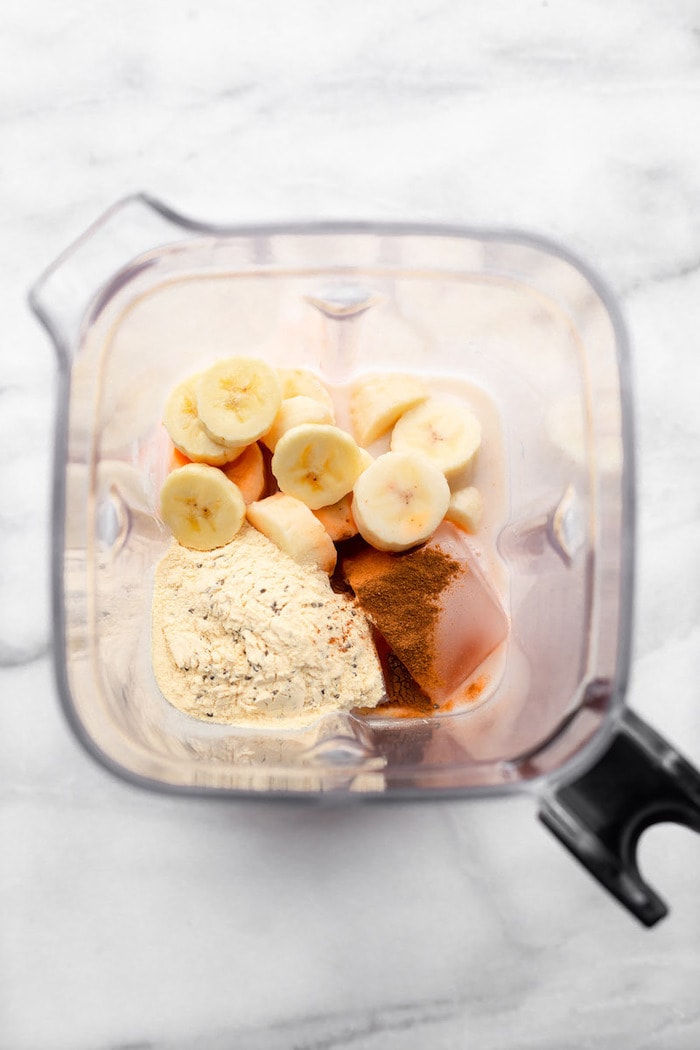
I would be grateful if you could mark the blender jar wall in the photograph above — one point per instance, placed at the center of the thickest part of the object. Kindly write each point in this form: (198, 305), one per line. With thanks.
(517, 319)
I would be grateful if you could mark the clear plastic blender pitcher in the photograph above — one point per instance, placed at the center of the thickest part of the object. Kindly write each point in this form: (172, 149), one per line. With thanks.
(146, 297)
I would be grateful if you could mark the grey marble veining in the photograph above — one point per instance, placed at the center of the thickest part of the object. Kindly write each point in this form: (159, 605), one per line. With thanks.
(139, 921)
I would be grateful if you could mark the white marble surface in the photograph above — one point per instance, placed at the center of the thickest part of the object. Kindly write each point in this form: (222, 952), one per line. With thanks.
(132, 920)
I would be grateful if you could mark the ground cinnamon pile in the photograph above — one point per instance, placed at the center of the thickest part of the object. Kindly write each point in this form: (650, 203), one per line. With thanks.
(402, 690)
(400, 594)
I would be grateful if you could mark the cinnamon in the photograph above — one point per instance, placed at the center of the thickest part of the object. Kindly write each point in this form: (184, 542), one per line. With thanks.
(400, 593)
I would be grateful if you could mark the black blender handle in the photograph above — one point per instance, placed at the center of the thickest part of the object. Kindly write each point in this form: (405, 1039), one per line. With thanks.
(639, 780)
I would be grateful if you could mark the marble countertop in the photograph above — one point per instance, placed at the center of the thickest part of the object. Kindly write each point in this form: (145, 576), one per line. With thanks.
(134, 921)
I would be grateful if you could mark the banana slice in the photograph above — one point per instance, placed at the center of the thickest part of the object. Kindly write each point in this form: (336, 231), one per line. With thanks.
(293, 412)
(248, 473)
(399, 501)
(293, 528)
(337, 519)
(445, 431)
(466, 508)
(185, 428)
(237, 400)
(296, 381)
(376, 402)
(202, 508)
(316, 463)
(366, 458)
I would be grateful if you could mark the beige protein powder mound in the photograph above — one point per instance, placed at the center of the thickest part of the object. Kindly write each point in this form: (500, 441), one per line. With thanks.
(245, 635)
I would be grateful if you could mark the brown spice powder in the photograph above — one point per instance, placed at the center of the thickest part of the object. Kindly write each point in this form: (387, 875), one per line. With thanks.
(403, 690)
(400, 593)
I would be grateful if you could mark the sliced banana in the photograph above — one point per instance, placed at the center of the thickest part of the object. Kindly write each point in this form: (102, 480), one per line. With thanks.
(293, 412)
(337, 519)
(293, 528)
(316, 463)
(466, 508)
(201, 507)
(248, 473)
(296, 381)
(185, 428)
(445, 431)
(399, 501)
(366, 458)
(376, 402)
(237, 400)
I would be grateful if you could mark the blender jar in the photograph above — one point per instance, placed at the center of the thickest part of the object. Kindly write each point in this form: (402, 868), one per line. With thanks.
(146, 297)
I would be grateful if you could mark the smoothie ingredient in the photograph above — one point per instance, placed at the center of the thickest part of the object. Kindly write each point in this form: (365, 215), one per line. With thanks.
(443, 430)
(366, 459)
(303, 381)
(466, 508)
(316, 463)
(337, 519)
(399, 501)
(434, 615)
(433, 606)
(244, 635)
(377, 401)
(185, 428)
(202, 508)
(238, 399)
(292, 527)
(178, 460)
(293, 412)
(248, 472)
